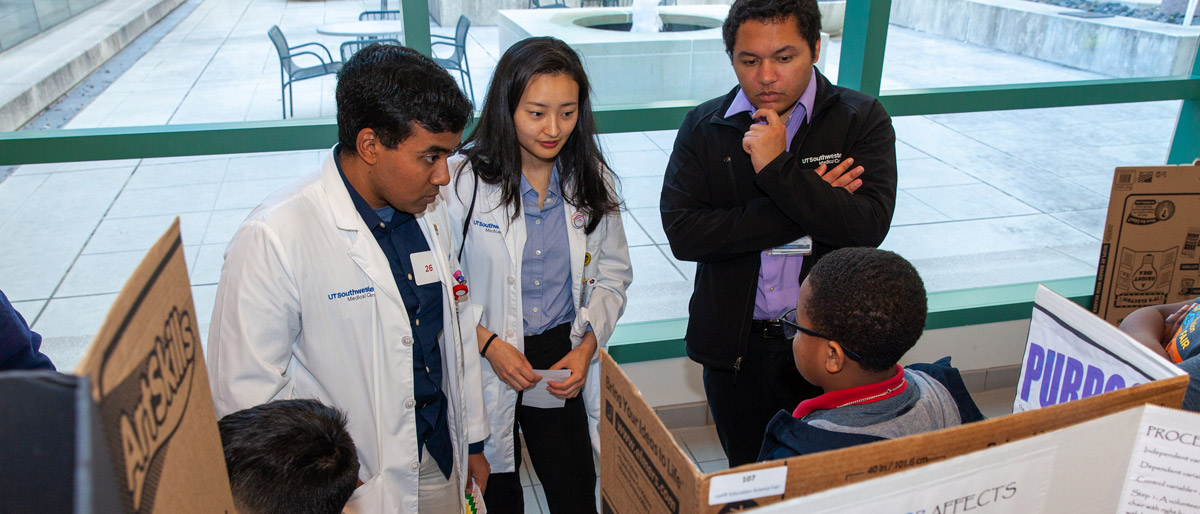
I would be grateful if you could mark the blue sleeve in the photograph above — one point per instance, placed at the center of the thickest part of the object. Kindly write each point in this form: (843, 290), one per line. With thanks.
(949, 376)
(475, 448)
(18, 344)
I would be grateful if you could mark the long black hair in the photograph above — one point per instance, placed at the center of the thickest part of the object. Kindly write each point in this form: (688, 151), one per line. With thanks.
(493, 148)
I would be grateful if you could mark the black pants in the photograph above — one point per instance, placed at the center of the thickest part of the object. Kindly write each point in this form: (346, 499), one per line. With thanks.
(559, 445)
(743, 403)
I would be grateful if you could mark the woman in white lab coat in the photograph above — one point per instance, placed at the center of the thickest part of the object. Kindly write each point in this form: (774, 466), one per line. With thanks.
(544, 253)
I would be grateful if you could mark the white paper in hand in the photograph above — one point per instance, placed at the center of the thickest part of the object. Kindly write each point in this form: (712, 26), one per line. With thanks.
(538, 396)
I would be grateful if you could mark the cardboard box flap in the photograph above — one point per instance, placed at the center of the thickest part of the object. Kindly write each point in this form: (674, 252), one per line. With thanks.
(1071, 353)
(148, 378)
(1143, 459)
(1149, 255)
(648, 471)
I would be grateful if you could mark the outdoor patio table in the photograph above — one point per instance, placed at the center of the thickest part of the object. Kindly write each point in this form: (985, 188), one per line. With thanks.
(365, 29)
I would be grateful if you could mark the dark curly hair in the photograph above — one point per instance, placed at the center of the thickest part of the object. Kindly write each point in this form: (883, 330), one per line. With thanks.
(388, 88)
(871, 300)
(808, 18)
(289, 456)
(495, 152)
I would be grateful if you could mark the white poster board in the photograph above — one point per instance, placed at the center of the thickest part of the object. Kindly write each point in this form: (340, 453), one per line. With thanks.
(1071, 354)
(1141, 460)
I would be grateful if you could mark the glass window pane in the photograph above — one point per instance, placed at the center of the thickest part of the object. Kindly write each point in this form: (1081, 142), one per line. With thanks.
(87, 225)
(1016, 196)
(934, 43)
(663, 284)
(219, 66)
(984, 199)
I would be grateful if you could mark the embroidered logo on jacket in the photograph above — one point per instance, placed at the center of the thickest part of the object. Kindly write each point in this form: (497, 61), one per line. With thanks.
(829, 158)
(354, 294)
(487, 227)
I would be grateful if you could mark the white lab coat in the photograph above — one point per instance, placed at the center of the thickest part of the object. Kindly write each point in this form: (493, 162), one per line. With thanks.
(307, 307)
(492, 264)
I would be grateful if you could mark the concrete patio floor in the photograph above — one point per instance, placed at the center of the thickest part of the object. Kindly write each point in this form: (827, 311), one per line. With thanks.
(986, 198)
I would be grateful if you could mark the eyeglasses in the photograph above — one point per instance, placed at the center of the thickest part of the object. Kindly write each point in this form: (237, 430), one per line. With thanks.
(853, 355)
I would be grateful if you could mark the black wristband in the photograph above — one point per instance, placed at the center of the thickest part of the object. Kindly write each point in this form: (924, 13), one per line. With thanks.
(483, 352)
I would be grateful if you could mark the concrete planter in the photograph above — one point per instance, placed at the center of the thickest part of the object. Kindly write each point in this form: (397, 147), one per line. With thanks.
(833, 16)
(635, 67)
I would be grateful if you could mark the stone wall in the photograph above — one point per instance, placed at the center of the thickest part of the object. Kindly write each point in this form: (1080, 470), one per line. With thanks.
(1118, 47)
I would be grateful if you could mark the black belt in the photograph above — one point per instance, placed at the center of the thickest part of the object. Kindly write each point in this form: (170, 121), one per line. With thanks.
(767, 328)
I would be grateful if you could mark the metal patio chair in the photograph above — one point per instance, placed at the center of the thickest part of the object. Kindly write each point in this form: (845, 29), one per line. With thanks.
(350, 48)
(290, 72)
(549, 4)
(458, 60)
(379, 15)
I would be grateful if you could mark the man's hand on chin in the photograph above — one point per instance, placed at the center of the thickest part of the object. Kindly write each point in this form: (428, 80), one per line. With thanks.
(765, 141)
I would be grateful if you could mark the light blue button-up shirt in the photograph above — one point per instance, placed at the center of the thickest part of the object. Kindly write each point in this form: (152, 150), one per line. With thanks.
(546, 260)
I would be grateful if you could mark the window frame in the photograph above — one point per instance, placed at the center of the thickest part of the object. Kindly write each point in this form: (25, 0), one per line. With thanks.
(863, 41)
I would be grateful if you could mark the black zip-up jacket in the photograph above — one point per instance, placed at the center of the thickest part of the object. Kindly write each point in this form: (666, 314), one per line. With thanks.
(717, 212)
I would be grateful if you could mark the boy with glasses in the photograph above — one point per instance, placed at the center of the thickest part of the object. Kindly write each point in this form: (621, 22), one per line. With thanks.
(860, 310)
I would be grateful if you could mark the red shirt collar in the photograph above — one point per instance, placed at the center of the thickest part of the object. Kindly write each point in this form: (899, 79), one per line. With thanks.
(869, 393)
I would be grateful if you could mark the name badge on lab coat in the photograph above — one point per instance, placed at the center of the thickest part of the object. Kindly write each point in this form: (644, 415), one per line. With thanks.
(423, 270)
(802, 246)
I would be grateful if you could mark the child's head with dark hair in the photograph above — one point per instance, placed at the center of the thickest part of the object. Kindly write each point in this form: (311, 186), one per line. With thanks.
(805, 12)
(389, 88)
(863, 309)
(290, 456)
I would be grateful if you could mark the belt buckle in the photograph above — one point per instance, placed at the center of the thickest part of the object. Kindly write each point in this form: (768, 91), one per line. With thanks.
(770, 328)
(775, 328)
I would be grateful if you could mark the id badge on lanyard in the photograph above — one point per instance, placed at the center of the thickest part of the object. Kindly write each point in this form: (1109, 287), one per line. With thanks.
(802, 246)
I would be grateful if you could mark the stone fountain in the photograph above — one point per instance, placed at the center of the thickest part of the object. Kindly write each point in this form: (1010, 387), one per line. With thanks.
(686, 60)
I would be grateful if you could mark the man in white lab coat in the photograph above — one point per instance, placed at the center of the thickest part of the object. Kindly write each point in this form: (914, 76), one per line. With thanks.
(341, 289)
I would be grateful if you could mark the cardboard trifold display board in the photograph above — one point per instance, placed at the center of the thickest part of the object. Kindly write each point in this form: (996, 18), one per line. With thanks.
(1149, 253)
(1142, 460)
(147, 373)
(643, 469)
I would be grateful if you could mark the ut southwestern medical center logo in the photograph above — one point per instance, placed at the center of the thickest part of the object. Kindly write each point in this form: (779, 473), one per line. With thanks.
(353, 294)
(487, 227)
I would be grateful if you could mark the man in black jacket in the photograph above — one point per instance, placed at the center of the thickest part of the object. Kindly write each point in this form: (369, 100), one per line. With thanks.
(747, 196)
